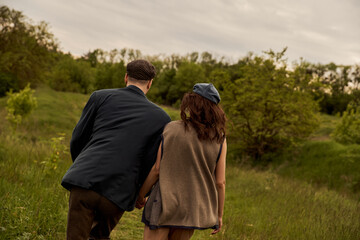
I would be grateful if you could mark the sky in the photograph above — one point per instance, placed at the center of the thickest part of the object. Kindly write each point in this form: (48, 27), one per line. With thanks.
(319, 31)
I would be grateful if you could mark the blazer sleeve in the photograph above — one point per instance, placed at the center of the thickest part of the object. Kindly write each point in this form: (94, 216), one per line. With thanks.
(152, 149)
(83, 129)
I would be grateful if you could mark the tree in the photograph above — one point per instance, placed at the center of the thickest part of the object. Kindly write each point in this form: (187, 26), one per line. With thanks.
(265, 107)
(93, 57)
(26, 50)
(336, 80)
(220, 77)
(72, 75)
(186, 76)
(161, 85)
(110, 75)
(348, 130)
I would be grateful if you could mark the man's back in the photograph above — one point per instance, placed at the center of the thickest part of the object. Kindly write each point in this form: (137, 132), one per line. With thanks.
(114, 144)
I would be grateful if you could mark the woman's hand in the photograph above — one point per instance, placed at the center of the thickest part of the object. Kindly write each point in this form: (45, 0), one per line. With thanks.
(140, 203)
(149, 181)
(220, 225)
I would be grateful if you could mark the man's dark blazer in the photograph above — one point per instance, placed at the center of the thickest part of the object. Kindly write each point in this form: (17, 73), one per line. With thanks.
(115, 143)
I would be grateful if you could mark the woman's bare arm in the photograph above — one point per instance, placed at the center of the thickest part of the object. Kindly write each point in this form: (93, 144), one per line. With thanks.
(150, 180)
(220, 184)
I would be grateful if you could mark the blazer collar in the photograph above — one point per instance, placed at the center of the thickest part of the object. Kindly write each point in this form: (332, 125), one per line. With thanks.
(136, 89)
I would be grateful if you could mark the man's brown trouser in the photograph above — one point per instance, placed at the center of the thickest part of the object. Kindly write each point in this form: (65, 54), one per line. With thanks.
(91, 216)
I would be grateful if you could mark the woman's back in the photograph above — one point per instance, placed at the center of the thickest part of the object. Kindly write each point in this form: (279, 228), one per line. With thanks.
(190, 167)
(187, 178)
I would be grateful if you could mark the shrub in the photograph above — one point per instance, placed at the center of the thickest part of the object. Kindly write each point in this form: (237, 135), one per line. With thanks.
(110, 75)
(348, 130)
(58, 148)
(72, 76)
(265, 108)
(186, 76)
(20, 105)
(7, 81)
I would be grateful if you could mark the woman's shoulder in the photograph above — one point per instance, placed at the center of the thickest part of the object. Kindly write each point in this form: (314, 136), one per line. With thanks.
(173, 125)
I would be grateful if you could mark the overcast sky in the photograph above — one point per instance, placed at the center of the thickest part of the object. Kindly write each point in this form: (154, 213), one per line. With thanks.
(318, 30)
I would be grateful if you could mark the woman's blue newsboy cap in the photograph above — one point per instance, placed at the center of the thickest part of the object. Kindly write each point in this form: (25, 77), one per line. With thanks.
(208, 91)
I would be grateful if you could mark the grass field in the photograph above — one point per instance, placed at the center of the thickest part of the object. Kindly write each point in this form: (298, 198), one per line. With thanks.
(323, 162)
(309, 194)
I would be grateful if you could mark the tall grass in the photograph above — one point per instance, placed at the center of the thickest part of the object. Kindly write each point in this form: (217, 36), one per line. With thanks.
(32, 203)
(323, 162)
(259, 205)
(262, 205)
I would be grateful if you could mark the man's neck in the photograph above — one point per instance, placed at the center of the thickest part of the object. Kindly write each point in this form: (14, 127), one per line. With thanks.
(141, 87)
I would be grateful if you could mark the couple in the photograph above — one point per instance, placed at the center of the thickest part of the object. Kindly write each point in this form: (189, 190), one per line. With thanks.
(125, 147)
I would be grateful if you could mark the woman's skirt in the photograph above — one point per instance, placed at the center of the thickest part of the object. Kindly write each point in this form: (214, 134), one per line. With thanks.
(152, 209)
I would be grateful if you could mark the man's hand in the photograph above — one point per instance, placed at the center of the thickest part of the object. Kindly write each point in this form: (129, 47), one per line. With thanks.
(220, 225)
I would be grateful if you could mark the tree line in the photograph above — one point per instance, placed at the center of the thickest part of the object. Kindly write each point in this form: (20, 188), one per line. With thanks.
(270, 103)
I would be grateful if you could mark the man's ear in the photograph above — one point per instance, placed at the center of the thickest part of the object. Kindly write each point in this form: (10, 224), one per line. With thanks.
(149, 84)
(126, 79)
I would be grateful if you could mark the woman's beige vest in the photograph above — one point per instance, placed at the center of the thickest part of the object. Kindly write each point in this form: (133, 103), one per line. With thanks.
(187, 179)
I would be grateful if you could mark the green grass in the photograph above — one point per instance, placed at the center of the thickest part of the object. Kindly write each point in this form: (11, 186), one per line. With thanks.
(33, 204)
(323, 162)
(262, 205)
(173, 112)
(327, 126)
(292, 203)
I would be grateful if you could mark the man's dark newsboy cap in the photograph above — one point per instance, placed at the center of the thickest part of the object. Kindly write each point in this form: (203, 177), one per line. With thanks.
(207, 90)
(140, 70)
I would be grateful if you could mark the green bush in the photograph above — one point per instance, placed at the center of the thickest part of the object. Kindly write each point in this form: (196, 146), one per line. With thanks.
(58, 148)
(70, 75)
(110, 75)
(348, 130)
(186, 76)
(20, 105)
(7, 81)
(267, 111)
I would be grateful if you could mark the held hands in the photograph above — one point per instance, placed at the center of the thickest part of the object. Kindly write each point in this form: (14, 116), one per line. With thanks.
(220, 225)
(140, 202)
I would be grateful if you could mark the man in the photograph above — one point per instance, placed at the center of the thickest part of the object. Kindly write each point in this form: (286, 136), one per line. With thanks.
(113, 148)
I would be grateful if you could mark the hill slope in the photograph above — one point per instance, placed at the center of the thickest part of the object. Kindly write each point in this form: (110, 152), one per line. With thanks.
(259, 205)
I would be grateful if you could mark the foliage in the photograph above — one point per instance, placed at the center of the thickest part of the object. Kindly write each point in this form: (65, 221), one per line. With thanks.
(58, 149)
(265, 108)
(186, 76)
(110, 75)
(26, 50)
(348, 129)
(337, 84)
(99, 56)
(160, 88)
(20, 105)
(72, 75)
(335, 103)
(330, 84)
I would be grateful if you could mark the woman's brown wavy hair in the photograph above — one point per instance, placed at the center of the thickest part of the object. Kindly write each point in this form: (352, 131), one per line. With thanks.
(207, 118)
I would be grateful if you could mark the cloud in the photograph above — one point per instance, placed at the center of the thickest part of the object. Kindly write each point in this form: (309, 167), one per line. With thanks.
(319, 31)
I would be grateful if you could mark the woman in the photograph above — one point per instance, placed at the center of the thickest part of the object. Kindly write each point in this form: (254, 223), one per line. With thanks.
(190, 167)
